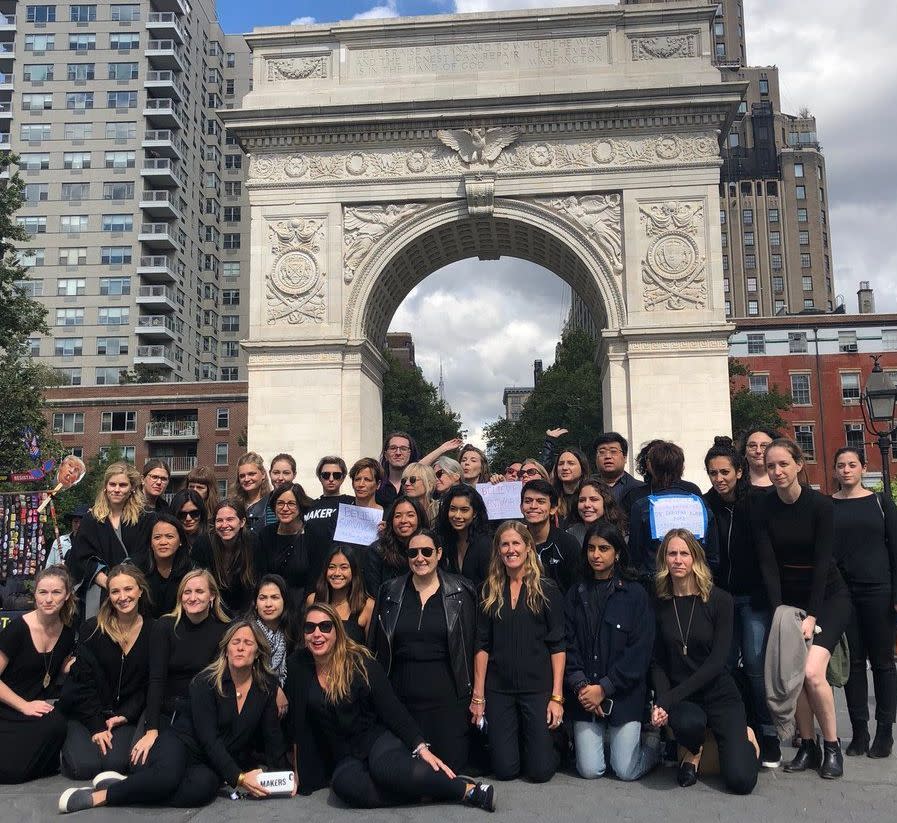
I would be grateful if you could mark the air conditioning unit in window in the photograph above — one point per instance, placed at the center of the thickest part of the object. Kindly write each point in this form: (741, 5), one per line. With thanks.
(849, 347)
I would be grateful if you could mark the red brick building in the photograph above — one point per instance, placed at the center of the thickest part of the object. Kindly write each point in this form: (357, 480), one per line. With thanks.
(823, 362)
(186, 424)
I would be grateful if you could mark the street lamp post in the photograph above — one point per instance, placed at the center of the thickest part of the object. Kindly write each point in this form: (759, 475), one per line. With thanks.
(879, 405)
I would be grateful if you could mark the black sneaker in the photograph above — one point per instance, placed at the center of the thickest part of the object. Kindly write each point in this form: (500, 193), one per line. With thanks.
(76, 799)
(482, 797)
(770, 752)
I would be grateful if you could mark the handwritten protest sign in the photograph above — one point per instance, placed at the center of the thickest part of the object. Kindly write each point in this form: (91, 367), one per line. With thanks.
(355, 524)
(677, 511)
(502, 499)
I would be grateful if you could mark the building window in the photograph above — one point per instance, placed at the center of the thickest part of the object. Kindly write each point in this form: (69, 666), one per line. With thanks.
(805, 260)
(108, 375)
(36, 192)
(230, 348)
(78, 131)
(803, 237)
(121, 99)
(125, 13)
(775, 238)
(756, 344)
(779, 306)
(222, 419)
(798, 169)
(800, 192)
(230, 373)
(112, 346)
(33, 225)
(748, 238)
(118, 191)
(233, 161)
(118, 222)
(847, 341)
(764, 86)
(750, 261)
(800, 389)
(231, 269)
(68, 423)
(758, 384)
(40, 14)
(747, 217)
(753, 308)
(37, 102)
(128, 453)
(773, 215)
(70, 287)
(752, 284)
(70, 317)
(31, 258)
(82, 42)
(803, 435)
(808, 303)
(34, 162)
(75, 191)
(82, 14)
(801, 215)
(68, 346)
(850, 388)
(119, 130)
(775, 261)
(806, 283)
(112, 316)
(125, 421)
(76, 160)
(221, 454)
(232, 214)
(124, 42)
(119, 159)
(889, 339)
(80, 72)
(79, 100)
(230, 297)
(123, 71)
(728, 307)
(115, 256)
(725, 284)
(69, 376)
(733, 139)
(854, 437)
(230, 322)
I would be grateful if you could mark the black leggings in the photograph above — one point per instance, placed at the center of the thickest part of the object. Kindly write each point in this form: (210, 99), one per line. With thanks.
(82, 759)
(447, 729)
(391, 777)
(518, 721)
(719, 708)
(29, 746)
(870, 634)
(171, 776)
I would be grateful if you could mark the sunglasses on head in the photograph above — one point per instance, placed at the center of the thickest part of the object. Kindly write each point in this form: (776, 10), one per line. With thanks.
(331, 475)
(325, 627)
(191, 514)
(410, 480)
(426, 551)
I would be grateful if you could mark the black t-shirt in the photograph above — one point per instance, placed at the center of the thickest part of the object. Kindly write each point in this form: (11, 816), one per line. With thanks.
(286, 555)
(25, 671)
(559, 556)
(320, 524)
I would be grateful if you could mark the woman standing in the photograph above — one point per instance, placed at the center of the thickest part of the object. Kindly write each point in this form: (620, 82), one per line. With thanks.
(252, 490)
(156, 476)
(275, 617)
(419, 483)
(232, 551)
(474, 465)
(463, 527)
(794, 533)
(281, 546)
(753, 449)
(571, 467)
(33, 650)
(381, 757)
(202, 481)
(167, 563)
(342, 586)
(609, 646)
(423, 635)
(190, 510)
(366, 475)
(519, 663)
(105, 692)
(386, 559)
(282, 470)
(231, 713)
(693, 690)
(182, 643)
(866, 553)
(595, 503)
(115, 530)
(448, 473)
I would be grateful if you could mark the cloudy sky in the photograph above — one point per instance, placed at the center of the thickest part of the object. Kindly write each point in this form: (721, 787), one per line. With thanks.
(487, 321)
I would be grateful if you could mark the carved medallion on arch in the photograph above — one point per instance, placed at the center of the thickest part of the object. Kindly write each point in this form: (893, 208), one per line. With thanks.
(296, 283)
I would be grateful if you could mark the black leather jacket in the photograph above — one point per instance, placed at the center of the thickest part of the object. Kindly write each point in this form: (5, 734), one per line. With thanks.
(459, 599)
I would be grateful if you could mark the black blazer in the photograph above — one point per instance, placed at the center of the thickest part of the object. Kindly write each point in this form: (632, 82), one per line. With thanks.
(460, 603)
(96, 547)
(476, 560)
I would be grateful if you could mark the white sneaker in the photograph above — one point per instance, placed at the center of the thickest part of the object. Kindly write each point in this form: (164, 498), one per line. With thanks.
(76, 799)
(105, 779)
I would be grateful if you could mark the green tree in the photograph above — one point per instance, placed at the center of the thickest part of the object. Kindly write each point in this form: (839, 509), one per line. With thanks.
(411, 403)
(142, 373)
(750, 409)
(22, 382)
(568, 396)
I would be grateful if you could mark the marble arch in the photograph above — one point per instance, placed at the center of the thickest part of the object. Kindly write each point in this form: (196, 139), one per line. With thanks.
(585, 140)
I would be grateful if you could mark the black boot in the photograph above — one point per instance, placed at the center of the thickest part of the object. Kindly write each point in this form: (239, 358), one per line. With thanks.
(884, 741)
(860, 743)
(832, 760)
(808, 757)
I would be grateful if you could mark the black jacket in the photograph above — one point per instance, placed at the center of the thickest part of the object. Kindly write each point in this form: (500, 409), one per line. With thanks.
(460, 602)
(476, 559)
(96, 547)
(739, 571)
(611, 649)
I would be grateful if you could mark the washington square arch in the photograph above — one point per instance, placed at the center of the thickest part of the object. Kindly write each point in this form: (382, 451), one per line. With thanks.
(585, 140)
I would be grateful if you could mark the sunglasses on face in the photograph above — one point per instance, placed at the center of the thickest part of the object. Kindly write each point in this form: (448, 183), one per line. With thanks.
(331, 475)
(527, 473)
(440, 473)
(325, 627)
(188, 514)
(410, 481)
(426, 551)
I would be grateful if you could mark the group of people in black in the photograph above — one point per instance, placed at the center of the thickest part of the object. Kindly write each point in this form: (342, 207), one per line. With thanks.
(184, 644)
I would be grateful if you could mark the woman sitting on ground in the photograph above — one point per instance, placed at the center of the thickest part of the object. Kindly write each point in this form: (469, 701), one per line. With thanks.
(342, 586)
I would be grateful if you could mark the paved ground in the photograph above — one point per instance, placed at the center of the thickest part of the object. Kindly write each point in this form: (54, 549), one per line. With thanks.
(866, 795)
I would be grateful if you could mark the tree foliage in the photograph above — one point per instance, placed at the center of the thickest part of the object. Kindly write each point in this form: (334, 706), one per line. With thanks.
(750, 409)
(568, 396)
(142, 373)
(412, 404)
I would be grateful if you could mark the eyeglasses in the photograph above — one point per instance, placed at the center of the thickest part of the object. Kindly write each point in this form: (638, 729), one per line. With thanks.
(325, 627)
(286, 504)
(609, 452)
(528, 473)
(426, 551)
(511, 472)
(331, 475)
(191, 514)
(411, 480)
(440, 473)
(398, 448)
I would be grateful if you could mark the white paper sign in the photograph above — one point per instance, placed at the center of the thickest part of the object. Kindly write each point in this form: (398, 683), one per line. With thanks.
(675, 511)
(502, 499)
(357, 524)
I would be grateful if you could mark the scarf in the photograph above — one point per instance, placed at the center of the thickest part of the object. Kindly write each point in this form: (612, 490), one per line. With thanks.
(278, 643)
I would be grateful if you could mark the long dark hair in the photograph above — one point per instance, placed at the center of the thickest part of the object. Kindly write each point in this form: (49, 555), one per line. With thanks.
(195, 498)
(613, 511)
(289, 620)
(392, 548)
(583, 474)
(180, 562)
(236, 558)
(667, 462)
(478, 526)
(724, 447)
(357, 597)
(611, 534)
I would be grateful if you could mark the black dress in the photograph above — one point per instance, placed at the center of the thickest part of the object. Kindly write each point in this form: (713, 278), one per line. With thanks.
(286, 555)
(29, 746)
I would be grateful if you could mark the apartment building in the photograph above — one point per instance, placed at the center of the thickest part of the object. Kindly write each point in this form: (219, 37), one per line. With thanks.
(135, 200)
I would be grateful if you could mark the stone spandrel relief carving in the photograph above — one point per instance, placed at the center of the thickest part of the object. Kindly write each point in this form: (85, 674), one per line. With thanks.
(602, 217)
(674, 265)
(297, 68)
(664, 47)
(479, 146)
(363, 226)
(296, 283)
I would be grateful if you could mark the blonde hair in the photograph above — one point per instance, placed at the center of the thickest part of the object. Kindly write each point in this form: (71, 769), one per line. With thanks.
(134, 503)
(347, 660)
(107, 616)
(428, 478)
(262, 674)
(69, 607)
(251, 458)
(215, 609)
(531, 461)
(700, 569)
(494, 598)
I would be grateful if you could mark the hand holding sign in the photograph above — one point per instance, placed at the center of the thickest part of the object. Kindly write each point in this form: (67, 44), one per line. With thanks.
(502, 499)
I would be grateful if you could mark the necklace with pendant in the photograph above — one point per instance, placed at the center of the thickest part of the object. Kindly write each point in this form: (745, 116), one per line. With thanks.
(684, 638)
(48, 662)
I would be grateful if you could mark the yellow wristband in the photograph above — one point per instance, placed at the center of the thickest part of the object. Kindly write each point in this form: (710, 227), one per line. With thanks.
(557, 698)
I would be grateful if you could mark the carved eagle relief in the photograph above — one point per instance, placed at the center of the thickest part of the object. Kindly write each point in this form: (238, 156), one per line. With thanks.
(479, 145)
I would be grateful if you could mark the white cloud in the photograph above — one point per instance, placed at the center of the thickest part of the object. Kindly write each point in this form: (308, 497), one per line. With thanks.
(378, 12)
(302, 21)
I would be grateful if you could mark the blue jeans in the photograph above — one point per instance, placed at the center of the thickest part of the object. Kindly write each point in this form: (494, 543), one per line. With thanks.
(749, 636)
(629, 758)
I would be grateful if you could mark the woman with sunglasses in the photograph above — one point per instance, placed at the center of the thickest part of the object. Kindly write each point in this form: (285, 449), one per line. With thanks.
(189, 508)
(181, 645)
(423, 635)
(274, 614)
(530, 469)
(320, 520)
(252, 490)
(385, 560)
(463, 527)
(167, 563)
(595, 504)
(202, 480)
(447, 472)
(381, 757)
(419, 483)
(283, 547)
(232, 714)
(519, 663)
(342, 586)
